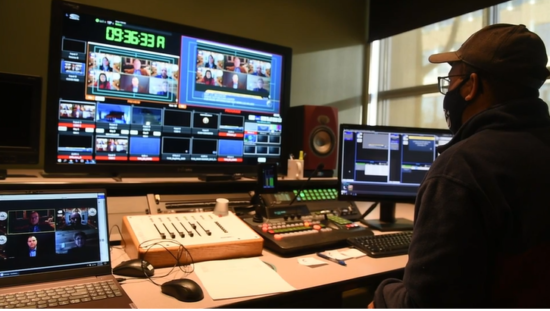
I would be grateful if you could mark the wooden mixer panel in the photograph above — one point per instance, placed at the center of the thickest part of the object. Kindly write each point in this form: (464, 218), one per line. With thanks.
(158, 239)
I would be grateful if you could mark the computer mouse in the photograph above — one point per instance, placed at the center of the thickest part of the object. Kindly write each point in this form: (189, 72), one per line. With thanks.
(138, 268)
(185, 290)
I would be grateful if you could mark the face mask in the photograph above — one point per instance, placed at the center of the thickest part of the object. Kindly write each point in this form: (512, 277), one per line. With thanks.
(453, 106)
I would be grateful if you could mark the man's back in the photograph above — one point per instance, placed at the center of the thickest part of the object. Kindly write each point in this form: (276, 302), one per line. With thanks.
(480, 236)
(499, 173)
(508, 164)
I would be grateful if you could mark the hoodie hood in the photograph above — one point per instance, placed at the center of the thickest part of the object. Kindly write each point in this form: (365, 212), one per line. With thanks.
(520, 114)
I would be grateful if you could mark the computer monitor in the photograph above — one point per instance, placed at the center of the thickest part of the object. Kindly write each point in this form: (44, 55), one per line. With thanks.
(385, 164)
(130, 95)
(20, 119)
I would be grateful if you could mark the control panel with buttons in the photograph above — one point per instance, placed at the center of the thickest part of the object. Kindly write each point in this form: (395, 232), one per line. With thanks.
(316, 199)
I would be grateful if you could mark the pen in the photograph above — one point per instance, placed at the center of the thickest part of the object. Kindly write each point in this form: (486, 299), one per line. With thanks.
(340, 262)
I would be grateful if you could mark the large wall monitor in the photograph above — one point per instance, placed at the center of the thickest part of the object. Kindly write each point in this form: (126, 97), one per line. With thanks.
(133, 95)
(385, 164)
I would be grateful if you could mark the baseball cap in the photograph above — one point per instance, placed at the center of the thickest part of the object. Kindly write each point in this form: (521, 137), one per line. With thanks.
(504, 50)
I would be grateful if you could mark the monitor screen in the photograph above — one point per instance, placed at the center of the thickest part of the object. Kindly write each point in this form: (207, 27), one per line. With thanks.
(129, 94)
(385, 164)
(51, 234)
(20, 117)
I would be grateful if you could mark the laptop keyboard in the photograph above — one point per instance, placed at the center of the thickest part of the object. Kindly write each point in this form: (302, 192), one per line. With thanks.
(60, 296)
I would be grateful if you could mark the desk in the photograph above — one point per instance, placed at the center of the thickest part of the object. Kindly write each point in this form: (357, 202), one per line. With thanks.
(320, 286)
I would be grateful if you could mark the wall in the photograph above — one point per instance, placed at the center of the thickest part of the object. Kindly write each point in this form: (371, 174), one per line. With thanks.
(327, 38)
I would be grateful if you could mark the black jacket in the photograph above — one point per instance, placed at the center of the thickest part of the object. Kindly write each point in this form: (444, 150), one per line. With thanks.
(482, 217)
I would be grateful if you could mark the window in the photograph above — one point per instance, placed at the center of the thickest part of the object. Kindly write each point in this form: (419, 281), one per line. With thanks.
(403, 84)
(534, 15)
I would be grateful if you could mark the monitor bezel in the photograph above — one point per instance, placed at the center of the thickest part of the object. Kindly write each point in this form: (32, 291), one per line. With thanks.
(147, 169)
(379, 197)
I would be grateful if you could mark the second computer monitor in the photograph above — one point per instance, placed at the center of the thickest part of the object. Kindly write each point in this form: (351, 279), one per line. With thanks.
(386, 164)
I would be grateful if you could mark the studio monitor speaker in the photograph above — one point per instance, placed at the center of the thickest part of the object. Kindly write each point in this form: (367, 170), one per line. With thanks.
(313, 130)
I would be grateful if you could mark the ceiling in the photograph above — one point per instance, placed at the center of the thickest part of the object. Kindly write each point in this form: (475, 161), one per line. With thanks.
(391, 17)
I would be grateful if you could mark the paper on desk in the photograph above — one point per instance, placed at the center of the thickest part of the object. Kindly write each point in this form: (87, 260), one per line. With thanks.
(243, 277)
(337, 255)
(345, 254)
(312, 262)
(352, 252)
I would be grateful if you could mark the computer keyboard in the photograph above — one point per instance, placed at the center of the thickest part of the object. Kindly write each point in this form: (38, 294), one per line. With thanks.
(59, 297)
(383, 245)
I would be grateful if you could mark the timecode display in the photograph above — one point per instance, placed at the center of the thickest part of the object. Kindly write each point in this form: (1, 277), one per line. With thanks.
(134, 37)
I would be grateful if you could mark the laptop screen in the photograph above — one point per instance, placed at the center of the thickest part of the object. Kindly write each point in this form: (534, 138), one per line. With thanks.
(52, 231)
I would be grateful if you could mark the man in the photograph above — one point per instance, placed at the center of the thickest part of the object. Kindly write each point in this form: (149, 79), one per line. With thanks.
(163, 74)
(234, 82)
(260, 88)
(164, 89)
(258, 71)
(34, 224)
(136, 69)
(135, 87)
(237, 65)
(481, 237)
(82, 251)
(33, 246)
(80, 239)
(75, 222)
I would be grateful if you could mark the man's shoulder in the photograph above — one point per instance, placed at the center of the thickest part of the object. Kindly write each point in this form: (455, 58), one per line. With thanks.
(468, 158)
(45, 227)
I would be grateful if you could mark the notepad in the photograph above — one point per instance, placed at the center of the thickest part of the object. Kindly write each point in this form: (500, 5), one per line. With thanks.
(352, 253)
(243, 277)
(337, 255)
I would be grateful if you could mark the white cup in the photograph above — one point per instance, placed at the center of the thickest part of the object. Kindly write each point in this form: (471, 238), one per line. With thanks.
(222, 207)
(295, 169)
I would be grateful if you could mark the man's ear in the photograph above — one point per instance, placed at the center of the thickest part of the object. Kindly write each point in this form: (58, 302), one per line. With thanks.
(473, 87)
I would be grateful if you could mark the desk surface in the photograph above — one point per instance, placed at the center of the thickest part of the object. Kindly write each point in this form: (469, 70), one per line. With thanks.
(145, 294)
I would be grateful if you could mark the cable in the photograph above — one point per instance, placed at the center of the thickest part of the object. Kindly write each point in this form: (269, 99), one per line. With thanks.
(122, 242)
(369, 210)
(181, 250)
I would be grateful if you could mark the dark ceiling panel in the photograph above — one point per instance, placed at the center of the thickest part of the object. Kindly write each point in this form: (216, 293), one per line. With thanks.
(392, 17)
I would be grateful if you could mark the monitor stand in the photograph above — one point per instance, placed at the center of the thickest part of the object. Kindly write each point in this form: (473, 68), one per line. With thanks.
(387, 220)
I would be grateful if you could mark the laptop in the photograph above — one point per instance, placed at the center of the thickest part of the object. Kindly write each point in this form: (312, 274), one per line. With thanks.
(50, 239)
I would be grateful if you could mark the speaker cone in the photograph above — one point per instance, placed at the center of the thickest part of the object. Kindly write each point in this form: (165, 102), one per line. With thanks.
(322, 141)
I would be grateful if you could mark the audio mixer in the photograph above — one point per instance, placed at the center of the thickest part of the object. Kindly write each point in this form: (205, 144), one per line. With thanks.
(315, 221)
(159, 239)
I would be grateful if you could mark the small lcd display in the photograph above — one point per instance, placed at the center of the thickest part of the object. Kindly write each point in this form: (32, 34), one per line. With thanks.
(267, 178)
